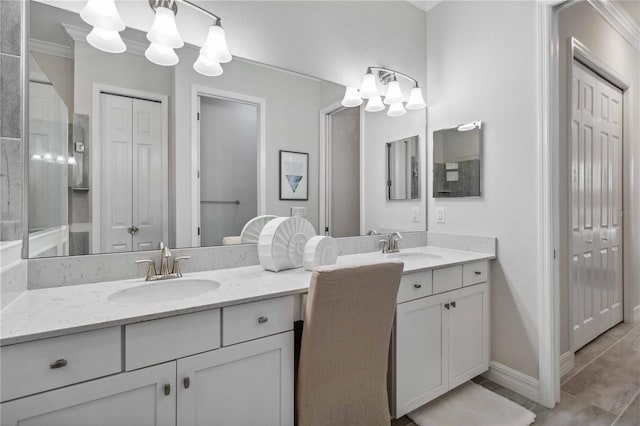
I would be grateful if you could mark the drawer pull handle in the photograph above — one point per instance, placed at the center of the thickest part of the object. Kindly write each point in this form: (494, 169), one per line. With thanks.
(262, 320)
(446, 306)
(453, 304)
(167, 389)
(186, 382)
(417, 285)
(58, 363)
(477, 272)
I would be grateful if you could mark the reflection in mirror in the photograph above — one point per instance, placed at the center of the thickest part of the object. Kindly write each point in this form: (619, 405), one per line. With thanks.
(456, 161)
(125, 153)
(403, 169)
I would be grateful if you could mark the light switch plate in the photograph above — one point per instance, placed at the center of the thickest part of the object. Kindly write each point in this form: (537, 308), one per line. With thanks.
(299, 212)
(440, 216)
(415, 214)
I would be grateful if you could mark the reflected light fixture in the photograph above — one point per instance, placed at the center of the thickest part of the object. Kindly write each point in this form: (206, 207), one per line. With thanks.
(72, 161)
(164, 36)
(36, 157)
(383, 82)
(470, 126)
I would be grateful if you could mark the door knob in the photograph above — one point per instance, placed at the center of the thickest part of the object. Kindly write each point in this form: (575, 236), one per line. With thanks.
(446, 306)
(133, 230)
(453, 304)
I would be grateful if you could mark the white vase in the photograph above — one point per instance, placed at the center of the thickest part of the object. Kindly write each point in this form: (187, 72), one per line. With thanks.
(282, 241)
(320, 250)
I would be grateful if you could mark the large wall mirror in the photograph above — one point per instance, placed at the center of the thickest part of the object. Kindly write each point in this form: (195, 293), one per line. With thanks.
(124, 153)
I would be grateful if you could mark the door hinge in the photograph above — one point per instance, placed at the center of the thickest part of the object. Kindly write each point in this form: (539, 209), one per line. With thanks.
(326, 229)
(198, 116)
(198, 230)
(198, 172)
(555, 255)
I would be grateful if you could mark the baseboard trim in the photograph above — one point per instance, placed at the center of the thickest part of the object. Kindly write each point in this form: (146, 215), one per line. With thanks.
(636, 314)
(513, 379)
(567, 362)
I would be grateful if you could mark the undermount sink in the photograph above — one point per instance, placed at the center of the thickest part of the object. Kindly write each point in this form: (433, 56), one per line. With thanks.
(409, 255)
(164, 291)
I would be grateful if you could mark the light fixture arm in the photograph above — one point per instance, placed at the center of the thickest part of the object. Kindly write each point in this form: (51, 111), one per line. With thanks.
(394, 73)
(173, 5)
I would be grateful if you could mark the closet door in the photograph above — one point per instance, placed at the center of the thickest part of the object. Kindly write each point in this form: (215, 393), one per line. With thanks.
(596, 169)
(116, 177)
(147, 174)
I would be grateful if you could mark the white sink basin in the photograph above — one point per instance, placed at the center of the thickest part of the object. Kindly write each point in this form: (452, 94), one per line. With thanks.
(409, 255)
(164, 291)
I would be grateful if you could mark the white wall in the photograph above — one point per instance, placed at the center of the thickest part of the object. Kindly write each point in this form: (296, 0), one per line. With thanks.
(481, 65)
(584, 23)
(379, 213)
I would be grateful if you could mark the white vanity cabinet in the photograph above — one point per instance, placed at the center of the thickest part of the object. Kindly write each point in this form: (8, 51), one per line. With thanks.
(441, 341)
(145, 397)
(169, 371)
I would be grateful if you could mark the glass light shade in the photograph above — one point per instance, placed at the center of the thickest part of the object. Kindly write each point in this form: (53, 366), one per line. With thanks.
(205, 66)
(394, 94)
(102, 14)
(369, 88)
(351, 98)
(47, 157)
(105, 40)
(72, 161)
(161, 55)
(215, 46)
(374, 104)
(164, 30)
(416, 101)
(396, 110)
(36, 157)
(60, 159)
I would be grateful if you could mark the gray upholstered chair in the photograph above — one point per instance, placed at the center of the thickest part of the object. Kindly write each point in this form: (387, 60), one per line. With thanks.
(342, 374)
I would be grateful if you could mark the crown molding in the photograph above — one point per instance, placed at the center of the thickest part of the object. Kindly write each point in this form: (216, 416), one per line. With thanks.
(79, 35)
(48, 48)
(619, 19)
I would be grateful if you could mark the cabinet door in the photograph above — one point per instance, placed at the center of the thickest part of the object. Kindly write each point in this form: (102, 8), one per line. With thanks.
(249, 383)
(135, 398)
(421, 352)
(468, 333)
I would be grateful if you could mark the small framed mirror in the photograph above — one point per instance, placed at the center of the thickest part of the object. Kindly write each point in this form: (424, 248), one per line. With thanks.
(403, 169)
(457, 161)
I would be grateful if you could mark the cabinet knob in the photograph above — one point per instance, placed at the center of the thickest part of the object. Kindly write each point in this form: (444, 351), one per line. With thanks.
(446, 306)
(453, 304)
(58, 363)
(477, 272)
(167, 389)
(186, 382)
(417, 285)
(262, 320)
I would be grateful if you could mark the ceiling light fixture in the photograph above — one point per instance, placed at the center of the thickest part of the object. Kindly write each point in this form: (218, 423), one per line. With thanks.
(383, 82)
(163, 36)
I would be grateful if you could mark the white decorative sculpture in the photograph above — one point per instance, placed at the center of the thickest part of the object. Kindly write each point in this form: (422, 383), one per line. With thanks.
(252, 229)
(320, 250)
(282, 241)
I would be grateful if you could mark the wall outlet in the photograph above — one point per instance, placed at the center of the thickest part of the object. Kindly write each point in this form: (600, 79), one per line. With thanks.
(440, 216)
(415, 214)
(299, 212)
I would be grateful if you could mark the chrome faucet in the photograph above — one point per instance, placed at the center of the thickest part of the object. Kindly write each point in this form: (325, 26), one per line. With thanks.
(165, 256)
(390, 243)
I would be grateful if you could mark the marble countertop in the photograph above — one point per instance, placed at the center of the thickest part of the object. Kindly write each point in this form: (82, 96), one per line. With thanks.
(39, 314)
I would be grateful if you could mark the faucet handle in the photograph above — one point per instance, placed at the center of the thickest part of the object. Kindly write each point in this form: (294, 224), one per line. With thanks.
(152, 267)
(176, 265)
(385, 245)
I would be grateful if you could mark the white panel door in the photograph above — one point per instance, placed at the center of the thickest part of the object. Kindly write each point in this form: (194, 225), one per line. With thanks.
(116, 173)
(421, 357)
(147, 174)
(139, 398)
(249, 383)
(468, 334)
(596, 173)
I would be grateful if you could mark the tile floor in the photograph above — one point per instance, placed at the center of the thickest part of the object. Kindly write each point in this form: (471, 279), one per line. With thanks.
(602, 389)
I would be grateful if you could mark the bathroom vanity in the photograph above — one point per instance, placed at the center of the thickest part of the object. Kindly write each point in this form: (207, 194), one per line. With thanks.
(225, 354)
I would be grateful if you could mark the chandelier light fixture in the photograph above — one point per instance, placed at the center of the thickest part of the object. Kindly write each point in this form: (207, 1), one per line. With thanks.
(163, 36)
(383, 82)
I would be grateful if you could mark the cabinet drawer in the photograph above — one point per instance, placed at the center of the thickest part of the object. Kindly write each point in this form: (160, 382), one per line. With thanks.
(446, 279)
(153, 342)
(474, 273)
(414, 286)
(32, 367)
(256, 319)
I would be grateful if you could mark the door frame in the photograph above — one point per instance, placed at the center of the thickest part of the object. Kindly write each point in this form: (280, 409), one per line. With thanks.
(96, 146)
(324, 180)
(577, 51)
(211, 92)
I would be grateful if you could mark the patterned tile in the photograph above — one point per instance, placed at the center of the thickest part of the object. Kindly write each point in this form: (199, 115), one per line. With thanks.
(571, 411)
(10, 27)
(631, 416)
